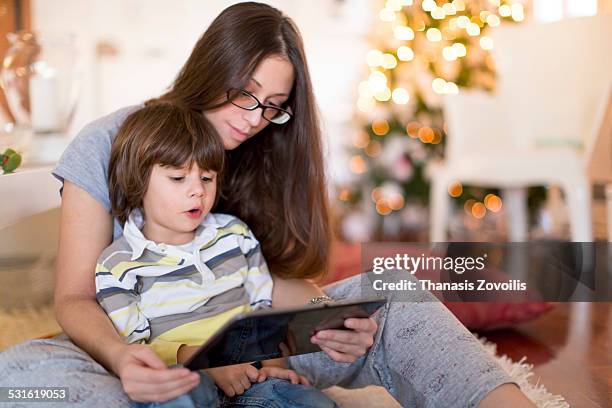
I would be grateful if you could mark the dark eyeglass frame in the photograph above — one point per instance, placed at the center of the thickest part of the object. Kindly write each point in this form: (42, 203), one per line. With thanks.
(258, 105)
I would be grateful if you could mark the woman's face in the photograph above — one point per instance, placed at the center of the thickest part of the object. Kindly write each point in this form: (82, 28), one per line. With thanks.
(271, 84)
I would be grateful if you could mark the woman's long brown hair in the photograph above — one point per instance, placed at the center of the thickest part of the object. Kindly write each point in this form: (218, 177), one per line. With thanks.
(275, 181)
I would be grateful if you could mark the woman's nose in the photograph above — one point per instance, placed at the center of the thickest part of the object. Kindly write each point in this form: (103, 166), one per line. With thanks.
(253, 117)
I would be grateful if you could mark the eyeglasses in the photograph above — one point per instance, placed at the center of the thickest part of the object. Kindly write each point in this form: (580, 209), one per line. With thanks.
(245, 100)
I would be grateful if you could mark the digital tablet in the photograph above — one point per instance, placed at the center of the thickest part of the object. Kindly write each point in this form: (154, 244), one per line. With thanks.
(274, 333)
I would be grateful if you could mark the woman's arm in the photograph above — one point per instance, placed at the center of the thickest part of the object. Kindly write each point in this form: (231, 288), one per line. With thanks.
(85, 230)
(293, 292)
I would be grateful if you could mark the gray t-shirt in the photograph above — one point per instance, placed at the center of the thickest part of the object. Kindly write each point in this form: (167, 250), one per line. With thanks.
(85, 161)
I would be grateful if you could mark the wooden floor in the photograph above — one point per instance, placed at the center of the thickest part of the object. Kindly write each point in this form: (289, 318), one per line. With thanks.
(571, 348)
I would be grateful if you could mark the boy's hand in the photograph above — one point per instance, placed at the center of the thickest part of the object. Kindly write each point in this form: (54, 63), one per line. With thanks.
(282, 373)
(234, 379)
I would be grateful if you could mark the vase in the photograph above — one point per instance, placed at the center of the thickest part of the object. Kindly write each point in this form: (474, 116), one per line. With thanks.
(40, 78)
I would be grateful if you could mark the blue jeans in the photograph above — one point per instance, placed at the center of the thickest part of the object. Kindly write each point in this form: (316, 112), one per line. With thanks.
(272, 393)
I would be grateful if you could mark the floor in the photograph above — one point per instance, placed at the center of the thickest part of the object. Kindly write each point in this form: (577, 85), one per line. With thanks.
(571, 348)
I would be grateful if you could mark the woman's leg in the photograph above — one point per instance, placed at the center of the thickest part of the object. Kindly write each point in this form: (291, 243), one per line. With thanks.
(57, 362)
(421, 354)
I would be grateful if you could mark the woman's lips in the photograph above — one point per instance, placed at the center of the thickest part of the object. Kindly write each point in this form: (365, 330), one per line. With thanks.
(238, 135)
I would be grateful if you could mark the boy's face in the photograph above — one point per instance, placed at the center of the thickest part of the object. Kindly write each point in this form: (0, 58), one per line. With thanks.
(176, 202)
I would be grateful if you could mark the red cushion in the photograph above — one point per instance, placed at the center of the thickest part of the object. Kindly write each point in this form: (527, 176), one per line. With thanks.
(495, 315)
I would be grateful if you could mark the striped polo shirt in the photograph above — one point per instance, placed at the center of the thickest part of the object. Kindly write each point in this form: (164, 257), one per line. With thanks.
(166, 296)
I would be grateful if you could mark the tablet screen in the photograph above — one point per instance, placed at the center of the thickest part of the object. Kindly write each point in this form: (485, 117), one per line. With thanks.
(268, 334)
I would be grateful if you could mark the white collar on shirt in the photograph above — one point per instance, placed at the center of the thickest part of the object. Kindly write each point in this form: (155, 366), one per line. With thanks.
(138, 242)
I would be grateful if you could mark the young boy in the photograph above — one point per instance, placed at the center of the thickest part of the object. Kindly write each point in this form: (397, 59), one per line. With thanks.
(179, 273)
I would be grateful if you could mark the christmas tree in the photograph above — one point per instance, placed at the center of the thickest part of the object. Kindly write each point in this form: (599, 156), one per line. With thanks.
(420, 51)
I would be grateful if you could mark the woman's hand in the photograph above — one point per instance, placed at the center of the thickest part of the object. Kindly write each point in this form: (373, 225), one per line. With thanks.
(146, 378)
(346, 346)
(234, 379)
(282, 373)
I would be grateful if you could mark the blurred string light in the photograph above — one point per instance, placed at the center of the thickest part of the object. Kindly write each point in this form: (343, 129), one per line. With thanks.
(459, 5)
(440, 86)
(374, 58)
(402, 32)
(442, 37)
(455, 189)
(380, 127)
(383, 95)
(505, 10)
(412, 129)
(377, 81)
(386, 15)
(473, 29)
(373, 149)
(387, 198)
(361, 139)
(479, 210)
(428, 5)
(475, 208)
(467, 206)
(493, 20)
(449, 9)
(486, 43)
(405, 31)
(388, 61)
(344, 194)
(438, 13)
(517, 12)
(434, 35)
(393, 5)
(405, 53)
(358, 165)
(400, 96)
(449, 53)
(493, 202)
(460, 49)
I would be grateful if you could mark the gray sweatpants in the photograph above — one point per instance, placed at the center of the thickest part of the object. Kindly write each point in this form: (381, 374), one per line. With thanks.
(422, 355)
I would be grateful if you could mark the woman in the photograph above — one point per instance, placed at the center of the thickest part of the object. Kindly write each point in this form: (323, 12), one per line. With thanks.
(248, 76)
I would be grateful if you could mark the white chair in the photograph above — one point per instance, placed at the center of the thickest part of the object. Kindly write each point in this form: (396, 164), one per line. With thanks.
(536, 128)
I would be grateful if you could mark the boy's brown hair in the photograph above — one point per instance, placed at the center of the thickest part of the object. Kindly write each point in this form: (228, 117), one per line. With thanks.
(160, 133)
